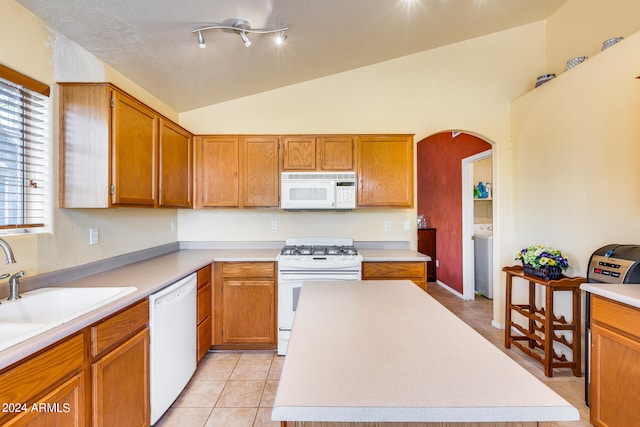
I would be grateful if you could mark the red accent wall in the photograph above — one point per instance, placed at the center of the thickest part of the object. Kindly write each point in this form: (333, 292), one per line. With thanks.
(439, 175)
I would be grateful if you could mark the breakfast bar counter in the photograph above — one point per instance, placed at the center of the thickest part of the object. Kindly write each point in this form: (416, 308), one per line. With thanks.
(366, 352)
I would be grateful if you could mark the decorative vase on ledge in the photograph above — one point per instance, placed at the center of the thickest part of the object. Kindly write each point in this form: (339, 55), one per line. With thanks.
(549, 272)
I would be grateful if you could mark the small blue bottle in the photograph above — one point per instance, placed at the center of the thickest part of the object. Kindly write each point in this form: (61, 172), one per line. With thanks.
(482, 191)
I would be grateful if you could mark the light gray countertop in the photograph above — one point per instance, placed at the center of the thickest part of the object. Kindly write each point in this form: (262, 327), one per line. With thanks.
(391, 255)
(624, 293)
(153, 274)
(389, 352)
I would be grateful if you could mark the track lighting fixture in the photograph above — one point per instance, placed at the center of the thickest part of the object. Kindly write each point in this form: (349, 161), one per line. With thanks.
(242, 28)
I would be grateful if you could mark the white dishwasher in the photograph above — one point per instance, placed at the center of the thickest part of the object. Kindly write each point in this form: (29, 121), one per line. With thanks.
(172, 358)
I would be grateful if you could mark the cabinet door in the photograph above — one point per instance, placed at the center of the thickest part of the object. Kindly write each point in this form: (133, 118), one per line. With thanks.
(299, 153)
(615, 380)
(261, 174)
(248, 312)
(219, 167)
(336, 152)
(176, 166)
(120, 384)
(134, 152)
(62, 407)
(385, 165)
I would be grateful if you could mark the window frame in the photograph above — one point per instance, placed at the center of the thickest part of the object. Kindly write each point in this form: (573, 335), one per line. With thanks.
(40, 224)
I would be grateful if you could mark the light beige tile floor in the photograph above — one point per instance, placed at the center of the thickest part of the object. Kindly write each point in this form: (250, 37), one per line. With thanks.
(237, 389)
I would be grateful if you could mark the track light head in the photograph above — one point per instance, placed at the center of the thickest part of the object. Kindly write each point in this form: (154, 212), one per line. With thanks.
(201, 42)
(281, 37)
(245, 39)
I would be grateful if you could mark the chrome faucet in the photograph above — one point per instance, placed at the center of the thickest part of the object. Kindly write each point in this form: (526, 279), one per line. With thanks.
(8, 253)
(14, 285)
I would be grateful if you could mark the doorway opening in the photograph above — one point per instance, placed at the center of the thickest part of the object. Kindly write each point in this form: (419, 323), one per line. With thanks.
(477, 225)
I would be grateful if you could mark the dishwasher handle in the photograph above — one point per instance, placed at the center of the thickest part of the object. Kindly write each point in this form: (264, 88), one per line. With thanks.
(175, 292)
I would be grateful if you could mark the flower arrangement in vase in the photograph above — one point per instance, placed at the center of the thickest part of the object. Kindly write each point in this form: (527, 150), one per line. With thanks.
(543, 261)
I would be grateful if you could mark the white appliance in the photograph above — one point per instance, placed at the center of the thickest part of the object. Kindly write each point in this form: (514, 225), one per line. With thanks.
(310, 258)
(318, 190)
(483, 259)
(172, 358)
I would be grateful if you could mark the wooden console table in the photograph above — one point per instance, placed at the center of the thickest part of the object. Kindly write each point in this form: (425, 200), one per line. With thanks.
(537, 339)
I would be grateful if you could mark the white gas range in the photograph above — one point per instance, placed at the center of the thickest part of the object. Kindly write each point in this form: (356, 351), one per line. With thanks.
(310, 258)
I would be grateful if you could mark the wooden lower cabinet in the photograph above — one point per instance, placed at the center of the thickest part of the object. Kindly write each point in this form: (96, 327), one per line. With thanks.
(204, 322)
(396, 270)
(615, 363)
(120, 384)
(64, 406)
(48, 389)
(244, 305)
(120, 368)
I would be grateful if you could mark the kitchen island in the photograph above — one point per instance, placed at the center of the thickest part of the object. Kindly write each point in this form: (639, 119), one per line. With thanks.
(363, 353)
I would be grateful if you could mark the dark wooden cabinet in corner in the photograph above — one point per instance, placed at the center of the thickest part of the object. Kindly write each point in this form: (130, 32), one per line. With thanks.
(244, 305)
(427, 246)
(204, 320)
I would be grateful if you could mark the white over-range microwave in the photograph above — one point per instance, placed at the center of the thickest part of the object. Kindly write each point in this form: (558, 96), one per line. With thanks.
(318, 190)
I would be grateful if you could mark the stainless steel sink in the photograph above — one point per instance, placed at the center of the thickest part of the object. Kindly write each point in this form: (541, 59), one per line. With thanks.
(43, 309)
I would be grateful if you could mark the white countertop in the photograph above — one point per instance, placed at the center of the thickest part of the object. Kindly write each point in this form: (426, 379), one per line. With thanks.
(624, 293)
(387, 351)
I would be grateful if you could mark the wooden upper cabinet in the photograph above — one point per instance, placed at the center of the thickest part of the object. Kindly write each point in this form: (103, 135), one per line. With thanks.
(110, 148)
(385, 171)
(261, 178)
(322, 153)
(135, 152)
(218, 165)
(176, 166)
(336, 152)
(237, 171)
(298, 153)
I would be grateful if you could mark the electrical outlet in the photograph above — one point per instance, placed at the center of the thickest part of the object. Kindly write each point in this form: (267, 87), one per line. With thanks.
(94, 236)
(387, 226)
(274, 224)
(437, 263)
(173, 225)
(406, 225)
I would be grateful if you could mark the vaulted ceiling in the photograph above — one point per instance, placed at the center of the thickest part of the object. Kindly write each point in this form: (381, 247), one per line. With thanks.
(151, 41)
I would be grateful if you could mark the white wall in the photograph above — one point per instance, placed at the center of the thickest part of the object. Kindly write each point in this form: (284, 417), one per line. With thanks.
(39, 52)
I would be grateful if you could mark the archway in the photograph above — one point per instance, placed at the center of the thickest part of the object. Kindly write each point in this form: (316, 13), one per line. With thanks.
(439, 191)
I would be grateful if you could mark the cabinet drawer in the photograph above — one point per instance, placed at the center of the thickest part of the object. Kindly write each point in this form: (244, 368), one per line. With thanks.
(32, 377)
(204, 337)
(204, 276)
(204, 302)
(620, 316)
(393, 270)
(249, 269)
(116, 328)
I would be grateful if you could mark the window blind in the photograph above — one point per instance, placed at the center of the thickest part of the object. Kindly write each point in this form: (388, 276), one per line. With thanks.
(24, 138)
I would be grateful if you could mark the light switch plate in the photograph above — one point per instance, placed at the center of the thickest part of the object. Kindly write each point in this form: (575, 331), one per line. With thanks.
(94, 236)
